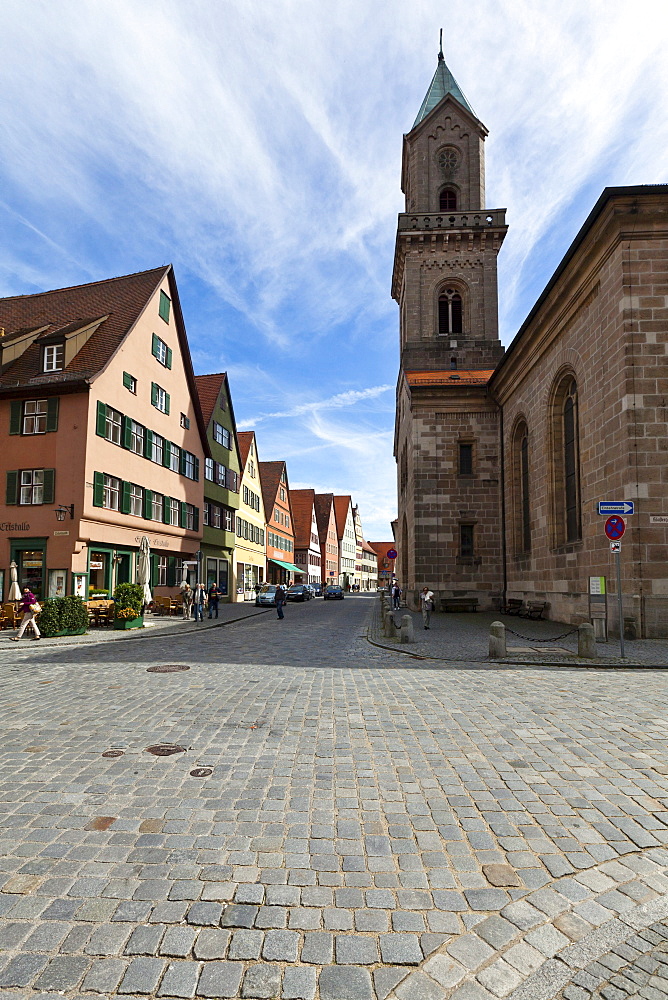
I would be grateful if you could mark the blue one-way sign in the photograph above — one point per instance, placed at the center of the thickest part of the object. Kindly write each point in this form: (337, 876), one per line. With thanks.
(615, 507)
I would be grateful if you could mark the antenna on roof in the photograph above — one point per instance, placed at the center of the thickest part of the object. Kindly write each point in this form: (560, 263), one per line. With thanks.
(440, 50)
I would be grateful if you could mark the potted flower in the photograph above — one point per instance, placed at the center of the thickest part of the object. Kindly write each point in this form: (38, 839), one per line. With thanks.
(128, 606)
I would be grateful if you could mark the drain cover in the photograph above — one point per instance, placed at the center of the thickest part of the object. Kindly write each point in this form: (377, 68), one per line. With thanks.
(167, 668)
(113, 753)
(165, 749)
(201, 772)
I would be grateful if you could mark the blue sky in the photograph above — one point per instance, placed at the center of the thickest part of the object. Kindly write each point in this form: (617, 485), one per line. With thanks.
(256, 145)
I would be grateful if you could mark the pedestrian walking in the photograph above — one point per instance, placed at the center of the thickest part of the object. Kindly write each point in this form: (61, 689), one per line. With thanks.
(280, 600)
(396, 596)
(30, 608)
(214, 595)
(199, 600)
(427, 605)
(187, 600)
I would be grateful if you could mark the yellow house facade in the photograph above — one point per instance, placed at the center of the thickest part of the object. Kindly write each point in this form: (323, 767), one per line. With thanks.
(249, 552)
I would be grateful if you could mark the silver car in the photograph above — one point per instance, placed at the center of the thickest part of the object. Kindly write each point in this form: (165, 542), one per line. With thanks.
(266, 595)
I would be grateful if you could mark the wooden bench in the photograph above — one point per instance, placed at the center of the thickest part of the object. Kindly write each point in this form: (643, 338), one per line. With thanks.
(454, 604)
(534, 609)
(514, 606)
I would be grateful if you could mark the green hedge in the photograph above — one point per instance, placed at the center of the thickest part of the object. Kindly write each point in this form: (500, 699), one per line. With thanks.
(129, 595)
(62, 614)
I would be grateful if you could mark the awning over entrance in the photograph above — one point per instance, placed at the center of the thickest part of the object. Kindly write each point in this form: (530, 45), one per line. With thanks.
(289, 566)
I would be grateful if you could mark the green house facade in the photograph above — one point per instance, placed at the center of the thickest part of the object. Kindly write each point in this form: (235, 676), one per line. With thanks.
(222, 478)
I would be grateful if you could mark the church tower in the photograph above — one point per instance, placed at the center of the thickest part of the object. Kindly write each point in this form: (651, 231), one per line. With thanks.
(445, 283)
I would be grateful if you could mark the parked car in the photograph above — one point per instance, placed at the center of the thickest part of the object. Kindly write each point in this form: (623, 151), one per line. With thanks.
(317, 589)
(299, 592)
(333, 593)
(266, 595)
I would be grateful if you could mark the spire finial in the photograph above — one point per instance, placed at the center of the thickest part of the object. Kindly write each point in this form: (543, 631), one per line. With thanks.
(440, 50)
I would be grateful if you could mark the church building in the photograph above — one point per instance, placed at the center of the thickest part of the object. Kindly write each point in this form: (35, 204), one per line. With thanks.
(503, 457)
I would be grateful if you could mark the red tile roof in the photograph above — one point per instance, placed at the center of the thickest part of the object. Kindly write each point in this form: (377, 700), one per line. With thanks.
(270, 477)
(341, 505)
(302, 503)
(453, 378)
(381, 548)
(245, 439)
(208, 390)
(323, 507)
(121, 299)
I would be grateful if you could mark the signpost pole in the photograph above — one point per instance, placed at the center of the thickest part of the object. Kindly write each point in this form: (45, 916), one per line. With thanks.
(619, 603)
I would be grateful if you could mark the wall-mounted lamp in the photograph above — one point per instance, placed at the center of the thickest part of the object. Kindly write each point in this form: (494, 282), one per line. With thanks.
(62, 512)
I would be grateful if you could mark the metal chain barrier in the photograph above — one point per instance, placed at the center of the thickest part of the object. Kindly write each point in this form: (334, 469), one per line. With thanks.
(530, 638)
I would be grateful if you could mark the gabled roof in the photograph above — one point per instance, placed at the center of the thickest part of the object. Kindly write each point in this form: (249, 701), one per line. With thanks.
(382, 548)
(443, 84)
(341, 505)
(323, 509)
(208, 390)
(118, 302)
(270, 477)
(245, 439)
(368, 547)
(453, 378)
(302, 503)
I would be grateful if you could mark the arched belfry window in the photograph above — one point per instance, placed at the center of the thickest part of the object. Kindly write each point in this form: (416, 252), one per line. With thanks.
(566, 461)
(450, 311)
(571, 463)
(448, 200)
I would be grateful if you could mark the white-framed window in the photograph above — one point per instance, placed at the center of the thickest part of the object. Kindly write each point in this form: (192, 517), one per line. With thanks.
(174, 511)
(175, 458)
(282, 492)
(185, 422)
(34, 416)
(157, 507)
(188, 465)
(221, 474)
(53, 358)
(161, 351)
(136, 500)
(160, 399)
(251, 469)
(112, 493)
(287, 521)
(208, 469)
(229, 519)
(32, 486)
(215, 515)
(157, 448)
(205, 512)
(137, 436)
(130, 382)
(221, 435)
(190, 517)
(162, 571)
(114, 426)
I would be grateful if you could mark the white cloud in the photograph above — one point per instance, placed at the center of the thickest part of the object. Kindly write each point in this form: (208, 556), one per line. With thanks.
(337, 402)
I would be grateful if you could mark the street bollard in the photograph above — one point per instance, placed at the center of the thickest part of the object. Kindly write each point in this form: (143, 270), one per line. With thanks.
(586, 641)
(390, 627)
(497, 640)
(407, 634)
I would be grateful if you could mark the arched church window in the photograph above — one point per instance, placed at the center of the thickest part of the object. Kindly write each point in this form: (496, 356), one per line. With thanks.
(571, 463)
(525, 506)
(450, 311)
(448, 200)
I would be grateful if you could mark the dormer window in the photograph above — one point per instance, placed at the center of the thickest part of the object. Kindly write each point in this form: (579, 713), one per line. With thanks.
(53, 358)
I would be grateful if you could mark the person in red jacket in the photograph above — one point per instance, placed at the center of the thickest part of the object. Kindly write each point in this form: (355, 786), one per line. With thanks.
(28, 602)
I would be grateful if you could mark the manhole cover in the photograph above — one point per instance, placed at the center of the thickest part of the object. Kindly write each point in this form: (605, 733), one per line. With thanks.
(165, 749)
(201, 772)
(113, 753)
(167, 668)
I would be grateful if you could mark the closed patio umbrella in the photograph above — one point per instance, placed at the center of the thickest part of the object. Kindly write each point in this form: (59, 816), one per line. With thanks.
(14, 590)
(144, 569)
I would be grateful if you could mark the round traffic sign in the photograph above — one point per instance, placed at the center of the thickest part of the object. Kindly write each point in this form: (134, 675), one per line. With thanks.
(391, 553)
(615, 527)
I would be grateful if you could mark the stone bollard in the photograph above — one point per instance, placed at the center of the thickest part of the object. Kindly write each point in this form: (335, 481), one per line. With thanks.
(407, 634)
(390, 627)
(497, 640)
(586, 641)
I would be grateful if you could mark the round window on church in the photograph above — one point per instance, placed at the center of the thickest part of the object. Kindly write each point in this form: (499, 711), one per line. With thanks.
(448, 161)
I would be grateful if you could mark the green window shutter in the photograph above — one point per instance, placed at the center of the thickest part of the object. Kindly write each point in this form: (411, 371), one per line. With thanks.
(127, 380)
(183, 462)
(166, 453)
(154, 570)
(196, 469)
(182, 519)
(169, 357)
(15, 414)
(196, 518)
(154, 394)
(148, 443)
(98, 489)
(125, 498)
(154, 345)
(163, 308)
(171, 572)
(101, 421)
(52, 413)
(165, 510)
(148, 504)
(49, 488)
(127, 432)
(167, 403)
(12, 487)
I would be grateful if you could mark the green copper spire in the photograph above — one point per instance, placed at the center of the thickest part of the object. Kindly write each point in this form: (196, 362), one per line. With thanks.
(443, 83)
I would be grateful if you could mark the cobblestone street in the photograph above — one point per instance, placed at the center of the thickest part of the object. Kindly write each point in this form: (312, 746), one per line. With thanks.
(328, 818)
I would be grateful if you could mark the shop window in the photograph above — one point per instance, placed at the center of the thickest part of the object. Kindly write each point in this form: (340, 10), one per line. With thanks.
(98, 575)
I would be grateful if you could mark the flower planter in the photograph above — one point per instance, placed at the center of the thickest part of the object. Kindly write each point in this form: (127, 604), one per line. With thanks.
(67, 631)
(125, 623)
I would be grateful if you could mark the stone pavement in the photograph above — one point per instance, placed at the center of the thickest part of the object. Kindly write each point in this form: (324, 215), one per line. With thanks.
(369, 829)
